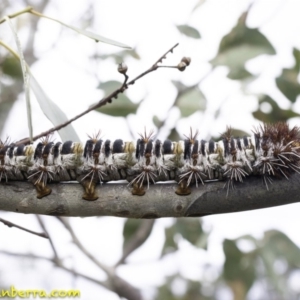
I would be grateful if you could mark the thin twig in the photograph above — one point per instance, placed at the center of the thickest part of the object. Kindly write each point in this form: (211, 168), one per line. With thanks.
(25, 10)
(103, 101)
(109, 271)
(10, 224)
(59, 265)
(117, 284)
(41, 222)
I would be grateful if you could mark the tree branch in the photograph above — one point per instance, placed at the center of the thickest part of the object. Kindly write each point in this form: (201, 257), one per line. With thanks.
(115, 199)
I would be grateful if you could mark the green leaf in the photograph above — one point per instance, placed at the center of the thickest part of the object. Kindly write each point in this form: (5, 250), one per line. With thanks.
(170, 245)
(174, 135)
(129, 229)
(280, 244)
(239, 74)
(240, 45)
(288, 82)
(109, 86)
(199, 3)
(191, 230)
(120, 56)
(11, 67)
(276, 115)
(120, 107)
(189, 31)
(157, 122)
(239, 268)
(190, 101)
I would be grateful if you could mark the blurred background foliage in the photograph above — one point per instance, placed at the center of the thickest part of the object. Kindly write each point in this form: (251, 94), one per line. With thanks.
(267, 264)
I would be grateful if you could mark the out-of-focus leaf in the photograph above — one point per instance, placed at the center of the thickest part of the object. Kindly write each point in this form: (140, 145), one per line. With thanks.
(277, 114)
(121, 55)
(120, 107)
(191, 230)
(135, 233)
(282, 247)
(92, 35)
(170, 245)
(199, 3)
(239, 269)
(240, 45)
(109, 86)
(189, 31)
(11, 67)
(55, 115)
(164, 292)
(174, 135)
(287, 82)
(129, 229)
(239, 74)
(276, 246)
(190, 101)
(157, 122)
(192, 289)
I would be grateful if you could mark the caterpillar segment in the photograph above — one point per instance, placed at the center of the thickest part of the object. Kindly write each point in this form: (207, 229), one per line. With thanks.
(273, 152)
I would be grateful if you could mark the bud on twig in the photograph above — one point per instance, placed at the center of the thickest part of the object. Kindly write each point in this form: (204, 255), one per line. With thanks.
(122, 68)
(186, 60)
(181, 66)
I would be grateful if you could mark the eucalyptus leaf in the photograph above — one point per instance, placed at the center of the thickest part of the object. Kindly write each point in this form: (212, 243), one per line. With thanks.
(109, 86)
(55, 115)
(11, 67)
(120, 56)
(169, 245)
(240, 45)
(189, 31)
(174, 135)
(120, 107)
(129, 229)
(288, 82)
(198, 4)
(191, 230)
(190, 101)
(92, 35)
(239, 268)
(157, 122)
(277, 114)
(26, 76)
(280, 244)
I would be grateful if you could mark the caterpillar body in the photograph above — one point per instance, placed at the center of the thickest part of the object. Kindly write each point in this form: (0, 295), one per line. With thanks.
(273, 152)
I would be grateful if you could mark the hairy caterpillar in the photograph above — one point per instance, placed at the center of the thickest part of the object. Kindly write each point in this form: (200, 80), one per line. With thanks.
(273, 152)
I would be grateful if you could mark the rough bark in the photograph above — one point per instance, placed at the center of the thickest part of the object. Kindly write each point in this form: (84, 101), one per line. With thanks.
(115, 199)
